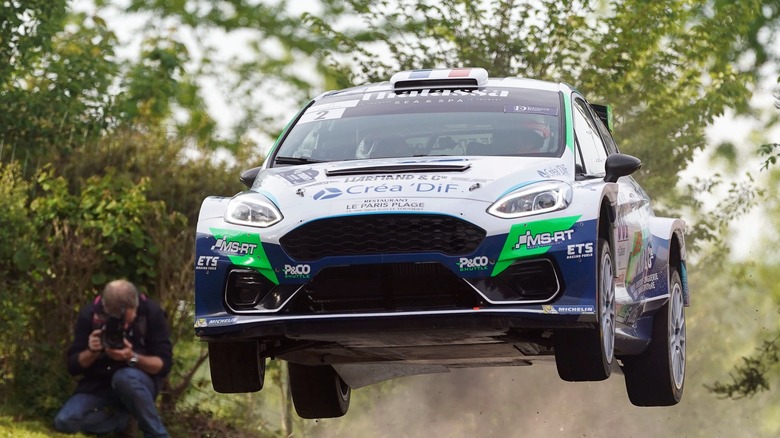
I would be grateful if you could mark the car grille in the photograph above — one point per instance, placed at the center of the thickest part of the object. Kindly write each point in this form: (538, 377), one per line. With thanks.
(383, 288)
(382, 234)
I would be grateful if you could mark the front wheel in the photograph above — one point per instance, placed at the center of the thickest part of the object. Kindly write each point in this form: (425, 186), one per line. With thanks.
(318, 391)
(236, 367)
(657, 376)
(587, 355)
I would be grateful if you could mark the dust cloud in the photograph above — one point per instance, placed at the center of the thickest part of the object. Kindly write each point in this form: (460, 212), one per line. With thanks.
(530, 402)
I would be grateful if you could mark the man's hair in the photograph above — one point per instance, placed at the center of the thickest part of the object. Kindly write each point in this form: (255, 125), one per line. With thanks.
(118, 295)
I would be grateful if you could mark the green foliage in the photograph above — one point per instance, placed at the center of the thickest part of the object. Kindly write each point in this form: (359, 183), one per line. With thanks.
(750, 377)
(21, 262)
(111, 214)
(668, 68)
(710, 223)
(769, 150)
(61, 98)
(13, 427)
(755, 371)
(26, 31)
(90, 236)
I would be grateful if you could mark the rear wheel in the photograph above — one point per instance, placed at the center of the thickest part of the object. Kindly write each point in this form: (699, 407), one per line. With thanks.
(236, 367)
(657, 376)
(587, 355)
(318, 391)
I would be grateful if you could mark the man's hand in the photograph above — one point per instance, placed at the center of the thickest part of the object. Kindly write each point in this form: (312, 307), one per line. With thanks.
(95, 343)
(94, 348)
(121, 354)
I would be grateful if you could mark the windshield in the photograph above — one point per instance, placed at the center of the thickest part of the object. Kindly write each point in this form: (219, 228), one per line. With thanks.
(501, 121)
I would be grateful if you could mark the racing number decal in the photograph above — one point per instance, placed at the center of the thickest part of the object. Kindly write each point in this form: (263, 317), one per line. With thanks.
(314, 115)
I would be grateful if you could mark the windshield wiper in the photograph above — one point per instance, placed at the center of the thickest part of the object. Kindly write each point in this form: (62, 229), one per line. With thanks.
(296, 160)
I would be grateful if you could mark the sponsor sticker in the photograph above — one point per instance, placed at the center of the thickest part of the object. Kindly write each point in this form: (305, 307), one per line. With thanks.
(327, 193)
(624, 315)
(297, 271)
(243, 249)
(234, 247)
(531, 109)
(552, 172)
(385, 204)
(211, 322)
(535, 238)
(379, 189)
(530, 240)
(431, 96)
(479, 263)
(398, 177)
(298, 177)
(206, 263)
(579, 250)
(647, 283)
(566, 310)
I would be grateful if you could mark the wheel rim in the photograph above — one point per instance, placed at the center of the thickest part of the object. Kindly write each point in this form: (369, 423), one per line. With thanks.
(607, 316)
(677, 335)
(342, 388)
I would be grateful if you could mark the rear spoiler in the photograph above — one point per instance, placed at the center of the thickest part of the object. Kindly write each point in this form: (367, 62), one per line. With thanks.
(605, 114)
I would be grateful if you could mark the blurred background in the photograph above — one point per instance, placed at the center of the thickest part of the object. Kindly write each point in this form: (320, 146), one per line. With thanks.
(117, 117)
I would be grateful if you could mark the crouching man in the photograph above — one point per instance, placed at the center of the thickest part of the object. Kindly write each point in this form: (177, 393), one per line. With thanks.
(122, 349)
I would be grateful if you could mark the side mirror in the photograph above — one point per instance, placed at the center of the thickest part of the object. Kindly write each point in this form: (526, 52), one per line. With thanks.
(248, 176)
(618, 165)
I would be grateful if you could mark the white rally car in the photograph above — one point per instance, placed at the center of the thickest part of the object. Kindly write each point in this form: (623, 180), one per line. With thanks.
(441, 220)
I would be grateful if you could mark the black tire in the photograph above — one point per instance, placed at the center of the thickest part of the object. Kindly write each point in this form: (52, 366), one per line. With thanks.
(236, 367)
(587, 354)
(318, 391)
(656, 377)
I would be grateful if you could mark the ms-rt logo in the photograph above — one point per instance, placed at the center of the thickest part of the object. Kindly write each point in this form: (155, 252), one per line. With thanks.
(531, 241)
(234, 247)
(327, 193)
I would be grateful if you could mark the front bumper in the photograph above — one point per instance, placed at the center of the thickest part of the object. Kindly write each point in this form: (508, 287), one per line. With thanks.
(523, 278)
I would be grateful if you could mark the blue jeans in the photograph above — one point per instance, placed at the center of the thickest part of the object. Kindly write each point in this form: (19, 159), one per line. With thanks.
(132, 393)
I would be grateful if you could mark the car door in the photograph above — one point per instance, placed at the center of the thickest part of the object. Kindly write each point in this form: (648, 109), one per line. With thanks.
(631, 237)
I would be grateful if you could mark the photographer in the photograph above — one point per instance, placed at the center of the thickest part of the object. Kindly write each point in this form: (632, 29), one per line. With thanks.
(121, 346)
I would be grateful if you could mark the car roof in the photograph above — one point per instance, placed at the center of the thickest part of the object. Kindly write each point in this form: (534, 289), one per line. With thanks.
(507, 82)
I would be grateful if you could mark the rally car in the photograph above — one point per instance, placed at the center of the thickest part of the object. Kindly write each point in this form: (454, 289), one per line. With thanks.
(439, 220)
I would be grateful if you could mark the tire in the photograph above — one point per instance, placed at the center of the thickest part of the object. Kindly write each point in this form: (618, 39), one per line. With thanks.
(587, 354)
(656, 377)
(236, 367)
(318, 391)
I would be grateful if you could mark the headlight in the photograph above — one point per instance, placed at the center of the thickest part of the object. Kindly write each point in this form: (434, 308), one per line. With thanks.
(252, 209)
(533, 199)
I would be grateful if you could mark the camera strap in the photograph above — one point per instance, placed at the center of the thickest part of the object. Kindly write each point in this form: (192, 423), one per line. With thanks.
(99, 317)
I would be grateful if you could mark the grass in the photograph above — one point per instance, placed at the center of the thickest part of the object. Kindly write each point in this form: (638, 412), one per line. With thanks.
(11, 427)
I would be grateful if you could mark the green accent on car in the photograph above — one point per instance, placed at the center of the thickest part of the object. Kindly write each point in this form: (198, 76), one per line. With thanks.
(534, 238)
(610, 119)
(569, 122)
(248, 251)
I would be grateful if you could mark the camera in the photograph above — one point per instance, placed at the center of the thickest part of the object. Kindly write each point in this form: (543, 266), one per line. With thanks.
(114, 333)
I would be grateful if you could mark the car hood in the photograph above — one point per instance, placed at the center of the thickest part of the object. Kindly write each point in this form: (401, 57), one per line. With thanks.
(474, 178)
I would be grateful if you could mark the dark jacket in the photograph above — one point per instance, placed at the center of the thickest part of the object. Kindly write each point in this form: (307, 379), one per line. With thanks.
(149, 335)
